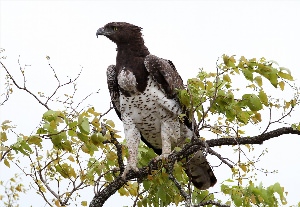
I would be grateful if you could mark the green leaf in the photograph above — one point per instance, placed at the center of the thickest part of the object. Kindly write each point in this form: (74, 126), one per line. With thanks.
(184, 98)
(248, 74)
(225, 59)
(35, 140)
(281, 85)
(243, 116)
(199, 115)
(202, 75)
(146, 184)
(257, 117)
(294, 126)
(5, 125)
(65, 170)
(49, 115)
(110, 123)
(22, 147)
(161, 193)
(229, 61)
(72, 128)
(273, 77)
(243, 167)
(226, 77)
(92, 111)
(123, 192)
(237, 200)
(3, 137)
(95, 122)
(84, 126)
(67, 146)
(258, 80)
(285, 76)
(263, 97)
(83, 137)
(225, 189)
(84, 203)
(230, 112)
(97, 138)
(6, 163)
(280, 190)
(253, 102)
(56, 140)
(41, 131)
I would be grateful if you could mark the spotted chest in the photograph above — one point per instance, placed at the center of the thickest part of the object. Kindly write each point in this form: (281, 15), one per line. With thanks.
(148, 111)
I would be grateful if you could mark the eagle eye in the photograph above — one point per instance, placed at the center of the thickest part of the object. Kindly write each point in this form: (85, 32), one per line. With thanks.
(115, 28)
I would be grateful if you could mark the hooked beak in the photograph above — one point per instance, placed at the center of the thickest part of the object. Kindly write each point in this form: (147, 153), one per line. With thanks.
(102, 31)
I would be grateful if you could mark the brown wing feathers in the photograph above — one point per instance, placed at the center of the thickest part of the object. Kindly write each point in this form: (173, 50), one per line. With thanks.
(165, 74)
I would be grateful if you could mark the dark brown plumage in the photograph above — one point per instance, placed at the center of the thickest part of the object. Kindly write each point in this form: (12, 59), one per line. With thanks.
(143, 92)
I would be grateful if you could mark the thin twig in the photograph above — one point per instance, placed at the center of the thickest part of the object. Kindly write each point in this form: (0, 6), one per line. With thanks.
(23, 88)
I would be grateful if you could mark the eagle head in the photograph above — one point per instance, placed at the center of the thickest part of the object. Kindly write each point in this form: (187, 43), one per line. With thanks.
(120, 32)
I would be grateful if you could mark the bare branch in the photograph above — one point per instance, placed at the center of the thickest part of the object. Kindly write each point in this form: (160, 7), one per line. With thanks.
(42, 178)
(59, 84)
(23, 88)
(4, 154)
(8, 90)
(138, 196)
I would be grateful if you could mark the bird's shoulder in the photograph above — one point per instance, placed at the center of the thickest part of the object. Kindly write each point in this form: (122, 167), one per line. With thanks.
(164, 73)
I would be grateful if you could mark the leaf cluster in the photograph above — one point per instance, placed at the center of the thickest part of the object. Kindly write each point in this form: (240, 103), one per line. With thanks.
(214, 93)
(255, 195)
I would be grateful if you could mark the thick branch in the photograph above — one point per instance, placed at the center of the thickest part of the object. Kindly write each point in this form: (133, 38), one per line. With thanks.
(259, 139)
(211, 203)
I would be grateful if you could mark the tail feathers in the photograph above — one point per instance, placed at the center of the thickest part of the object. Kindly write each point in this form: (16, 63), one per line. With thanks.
(200, 172)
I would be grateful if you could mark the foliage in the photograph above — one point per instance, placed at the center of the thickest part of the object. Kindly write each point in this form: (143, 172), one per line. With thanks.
(216, 90)
(12, 190)
(74, 148)
(255, 195)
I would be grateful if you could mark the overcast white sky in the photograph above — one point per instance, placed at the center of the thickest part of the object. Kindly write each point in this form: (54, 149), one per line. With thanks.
(193, 34)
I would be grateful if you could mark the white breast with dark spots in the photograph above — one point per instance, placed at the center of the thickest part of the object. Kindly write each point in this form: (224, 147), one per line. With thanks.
(147, 111)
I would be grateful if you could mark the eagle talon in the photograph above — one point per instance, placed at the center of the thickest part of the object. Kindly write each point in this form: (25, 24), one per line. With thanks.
(161, 157)
(127, 169)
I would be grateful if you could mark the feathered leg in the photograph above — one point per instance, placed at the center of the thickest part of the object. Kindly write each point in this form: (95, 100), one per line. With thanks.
(132, 136)
(169, 133)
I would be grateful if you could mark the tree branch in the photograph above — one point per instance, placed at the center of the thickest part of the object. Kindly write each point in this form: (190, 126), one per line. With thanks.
(211, 203)
(101, 197)
(259, 139)
(23, 88)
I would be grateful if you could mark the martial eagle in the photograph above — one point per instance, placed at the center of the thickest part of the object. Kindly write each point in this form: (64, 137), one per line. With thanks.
(143, 92)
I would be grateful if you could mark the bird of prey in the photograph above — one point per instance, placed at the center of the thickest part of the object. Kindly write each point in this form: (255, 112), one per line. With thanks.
(143, 90)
